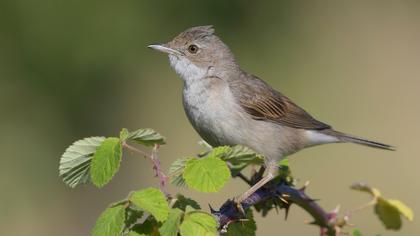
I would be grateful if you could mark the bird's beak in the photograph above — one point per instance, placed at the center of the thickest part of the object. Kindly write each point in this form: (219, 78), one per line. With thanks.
(163, 48)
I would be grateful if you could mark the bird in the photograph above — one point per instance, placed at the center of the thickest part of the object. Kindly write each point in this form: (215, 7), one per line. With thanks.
(228, 106)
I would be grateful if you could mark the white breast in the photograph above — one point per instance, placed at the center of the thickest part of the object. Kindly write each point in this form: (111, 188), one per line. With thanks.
(211, 110)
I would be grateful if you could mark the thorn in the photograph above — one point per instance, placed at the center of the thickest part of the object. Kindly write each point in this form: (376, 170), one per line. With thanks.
(277, 208)
(304, 186)
(310, 222)
(285, 195)
(346, 220)
(212, 211)
(307, 183)
(240, 208)
(336, 209)
(286, 211)
(284, 201)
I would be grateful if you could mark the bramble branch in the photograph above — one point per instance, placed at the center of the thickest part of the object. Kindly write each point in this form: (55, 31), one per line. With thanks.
(328, 222)
(154, 159)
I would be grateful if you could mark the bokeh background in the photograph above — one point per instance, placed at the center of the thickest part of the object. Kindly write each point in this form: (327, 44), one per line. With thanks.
(73, 69)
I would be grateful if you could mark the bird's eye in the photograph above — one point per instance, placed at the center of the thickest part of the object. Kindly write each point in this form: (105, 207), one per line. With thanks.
(193, 48)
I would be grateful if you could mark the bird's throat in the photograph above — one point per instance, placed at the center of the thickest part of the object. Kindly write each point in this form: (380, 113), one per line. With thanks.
(186, 69)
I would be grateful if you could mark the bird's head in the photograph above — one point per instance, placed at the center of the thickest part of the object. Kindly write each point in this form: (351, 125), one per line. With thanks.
(197, 52)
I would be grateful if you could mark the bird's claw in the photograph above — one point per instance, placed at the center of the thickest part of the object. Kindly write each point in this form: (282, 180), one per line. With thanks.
(238, 204)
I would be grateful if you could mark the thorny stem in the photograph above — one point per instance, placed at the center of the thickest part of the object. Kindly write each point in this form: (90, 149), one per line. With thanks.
(328, 222)
(163, 179)
(154, 159)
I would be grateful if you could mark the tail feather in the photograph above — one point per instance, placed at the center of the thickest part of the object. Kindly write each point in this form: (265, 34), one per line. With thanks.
(353, 139)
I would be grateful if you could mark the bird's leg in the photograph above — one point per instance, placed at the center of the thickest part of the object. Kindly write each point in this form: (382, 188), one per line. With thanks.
(272, 171)
(255, 187)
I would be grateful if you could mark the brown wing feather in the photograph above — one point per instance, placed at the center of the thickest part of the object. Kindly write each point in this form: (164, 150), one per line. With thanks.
(264, 103)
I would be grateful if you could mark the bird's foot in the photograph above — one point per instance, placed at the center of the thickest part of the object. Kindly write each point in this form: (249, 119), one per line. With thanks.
(238, 204)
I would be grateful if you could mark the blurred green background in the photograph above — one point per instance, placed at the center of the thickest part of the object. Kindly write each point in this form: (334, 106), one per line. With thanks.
(73, 69)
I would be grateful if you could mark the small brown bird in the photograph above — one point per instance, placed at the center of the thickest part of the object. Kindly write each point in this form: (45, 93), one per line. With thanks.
(228, 106)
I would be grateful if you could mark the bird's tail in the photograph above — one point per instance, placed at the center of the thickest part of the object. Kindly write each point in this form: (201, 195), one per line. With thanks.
(353, 139)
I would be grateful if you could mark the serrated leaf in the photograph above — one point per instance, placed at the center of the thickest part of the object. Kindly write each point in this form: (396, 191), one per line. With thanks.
(284, 162)
(147, 137)
(182, 202)
(363, 187)
(76, 160)
(240, 157)
(131, 216)
(110, 222)
(189, 209)
(147, 228)
(402, 208)
(171, 225)
(176, 170)
(153, 201)
(124, 134)
(247, 227)
(208, 174)
(197, 223)
(106, 161)
(388, 214)
(219, 151)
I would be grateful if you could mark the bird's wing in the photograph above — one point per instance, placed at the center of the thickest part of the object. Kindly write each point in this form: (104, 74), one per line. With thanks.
(262, 102)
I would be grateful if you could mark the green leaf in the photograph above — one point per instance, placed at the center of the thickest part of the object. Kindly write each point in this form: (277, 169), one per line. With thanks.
(110, 222)
(124, 134)
(176, 170)
(131, 216)
(241, 153)
(284, 162)
(189, 209)
(357, 232)
(182, 202)
(219, 151)
(76, 160)
(197, 223)
(388, 214)
(106, 161)
(153, 201)
(171, 225)
(147, 137)
(389, 211)
(402, 208)
(247, 227)
(207, 174)
(147, 228)
(240, 157)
